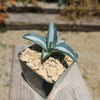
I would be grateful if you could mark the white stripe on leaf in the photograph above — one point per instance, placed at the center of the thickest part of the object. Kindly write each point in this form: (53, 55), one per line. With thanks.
(36, 38)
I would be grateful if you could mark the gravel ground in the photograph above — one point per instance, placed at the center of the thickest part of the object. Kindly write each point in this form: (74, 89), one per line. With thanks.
(87, 45)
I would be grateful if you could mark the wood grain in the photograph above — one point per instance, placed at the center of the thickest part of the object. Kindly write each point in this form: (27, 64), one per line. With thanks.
(41, 22)
(69, 87)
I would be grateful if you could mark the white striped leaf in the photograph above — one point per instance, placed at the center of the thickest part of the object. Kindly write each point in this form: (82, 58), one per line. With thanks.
(64, 48)
(60, 40)
(52, 36)
(45, 54)
(36, 38)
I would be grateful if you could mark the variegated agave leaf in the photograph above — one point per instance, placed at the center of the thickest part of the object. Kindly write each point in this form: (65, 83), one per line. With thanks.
(45, 54)
(64, 48)
(52, 36)
(36, 38)
(45, 36)
(60, 40)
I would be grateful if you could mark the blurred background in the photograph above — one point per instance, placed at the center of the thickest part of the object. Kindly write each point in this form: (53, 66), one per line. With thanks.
(78, 21)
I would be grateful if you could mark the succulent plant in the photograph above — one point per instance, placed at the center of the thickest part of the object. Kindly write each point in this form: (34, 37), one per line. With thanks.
(50, 43)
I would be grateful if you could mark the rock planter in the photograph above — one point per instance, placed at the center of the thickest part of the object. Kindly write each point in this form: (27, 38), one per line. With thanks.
(42, 69)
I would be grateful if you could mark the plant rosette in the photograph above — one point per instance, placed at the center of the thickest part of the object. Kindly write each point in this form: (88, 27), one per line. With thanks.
(46, 61)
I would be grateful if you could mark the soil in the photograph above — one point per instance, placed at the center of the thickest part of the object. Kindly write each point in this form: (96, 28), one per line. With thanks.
(51, 68)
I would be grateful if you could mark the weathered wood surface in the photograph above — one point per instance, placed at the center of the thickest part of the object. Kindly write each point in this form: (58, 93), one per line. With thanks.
(41, 21)
(35, 7)
(70, 87)
(30, 18)
(43, 7)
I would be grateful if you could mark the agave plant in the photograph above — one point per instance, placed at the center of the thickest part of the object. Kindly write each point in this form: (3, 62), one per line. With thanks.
(51, 43)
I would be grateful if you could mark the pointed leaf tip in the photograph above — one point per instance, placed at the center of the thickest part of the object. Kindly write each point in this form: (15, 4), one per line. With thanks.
(51, 23)
(52, 36)
(60, 40)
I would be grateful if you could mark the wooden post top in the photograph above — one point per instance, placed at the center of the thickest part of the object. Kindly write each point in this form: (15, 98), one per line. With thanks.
(71, 87)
